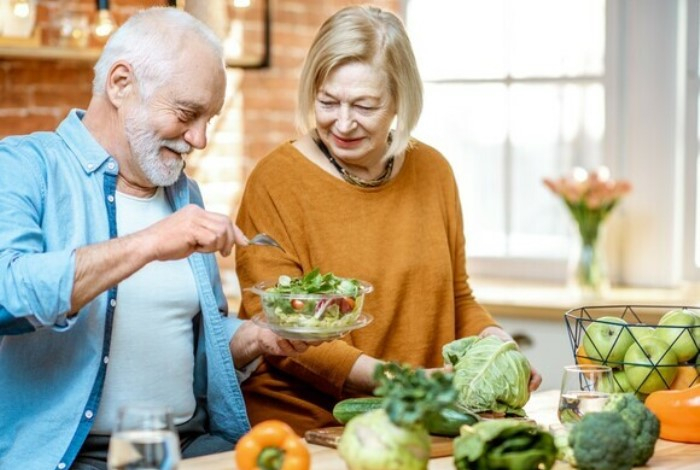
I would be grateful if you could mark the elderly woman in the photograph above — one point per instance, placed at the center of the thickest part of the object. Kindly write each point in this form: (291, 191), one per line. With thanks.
(356, 198)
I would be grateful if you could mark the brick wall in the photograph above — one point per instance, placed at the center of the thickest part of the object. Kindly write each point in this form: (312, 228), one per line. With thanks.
(257, 116)
(36, 94)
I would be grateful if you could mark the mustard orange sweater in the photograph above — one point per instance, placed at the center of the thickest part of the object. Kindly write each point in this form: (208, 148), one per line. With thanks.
(405, 238)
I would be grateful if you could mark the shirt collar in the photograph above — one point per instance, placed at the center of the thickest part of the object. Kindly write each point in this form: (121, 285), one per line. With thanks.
(87, 150)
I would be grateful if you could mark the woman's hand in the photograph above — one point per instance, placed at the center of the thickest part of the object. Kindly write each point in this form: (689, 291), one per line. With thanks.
(444, 369)
(535, 379)
(360, 380)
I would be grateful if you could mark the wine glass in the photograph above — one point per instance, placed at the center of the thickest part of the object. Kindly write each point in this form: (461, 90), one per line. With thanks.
(584, 388)
(144, 438)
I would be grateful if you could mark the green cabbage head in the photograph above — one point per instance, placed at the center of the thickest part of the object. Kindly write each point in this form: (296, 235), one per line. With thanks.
(490, 374)
(371, 441)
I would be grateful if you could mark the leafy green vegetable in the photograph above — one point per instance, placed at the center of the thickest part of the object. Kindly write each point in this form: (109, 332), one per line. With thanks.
(490, 375)
(506, 444)
(410, 396)
(395, 437)
(446, 423)
(317, 283)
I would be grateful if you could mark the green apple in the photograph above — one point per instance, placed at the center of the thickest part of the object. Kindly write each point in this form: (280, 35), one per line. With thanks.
(639, 332)
(620, 384)
(681, 329)
(650, 365)
(606, 340)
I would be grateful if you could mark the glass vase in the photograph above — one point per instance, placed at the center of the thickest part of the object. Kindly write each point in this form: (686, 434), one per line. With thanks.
(588, 270)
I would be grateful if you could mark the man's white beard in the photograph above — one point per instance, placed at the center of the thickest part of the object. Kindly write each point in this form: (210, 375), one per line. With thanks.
(146, 146)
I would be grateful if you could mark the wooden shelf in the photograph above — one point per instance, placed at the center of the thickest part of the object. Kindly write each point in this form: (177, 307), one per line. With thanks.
(49, 53)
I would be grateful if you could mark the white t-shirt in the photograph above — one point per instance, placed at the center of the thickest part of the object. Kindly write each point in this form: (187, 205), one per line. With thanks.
(152, 352)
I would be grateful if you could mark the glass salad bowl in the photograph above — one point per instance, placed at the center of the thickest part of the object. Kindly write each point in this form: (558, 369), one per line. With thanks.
(313, 307)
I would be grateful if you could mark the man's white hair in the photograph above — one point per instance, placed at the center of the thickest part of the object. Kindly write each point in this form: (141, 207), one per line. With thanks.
(150, 41)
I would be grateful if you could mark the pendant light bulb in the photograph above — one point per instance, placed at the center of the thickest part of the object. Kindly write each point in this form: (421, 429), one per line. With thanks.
(105, 24)
(20, 9)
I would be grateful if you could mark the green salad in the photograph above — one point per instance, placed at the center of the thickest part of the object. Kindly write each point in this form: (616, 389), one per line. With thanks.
(315, 300)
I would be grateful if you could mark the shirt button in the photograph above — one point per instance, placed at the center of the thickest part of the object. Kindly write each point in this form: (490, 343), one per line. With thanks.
(111, 165)
(113, 303)
(90, 166)
(110, 198)
(62, 465)
(88, 414)
(105, 359)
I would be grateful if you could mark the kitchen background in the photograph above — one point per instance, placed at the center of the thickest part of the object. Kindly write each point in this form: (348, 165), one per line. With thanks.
(516, 91)
(36, 94)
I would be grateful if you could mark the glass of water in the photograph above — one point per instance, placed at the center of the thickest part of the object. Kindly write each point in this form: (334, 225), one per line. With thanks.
(144, 438)
(584, 388)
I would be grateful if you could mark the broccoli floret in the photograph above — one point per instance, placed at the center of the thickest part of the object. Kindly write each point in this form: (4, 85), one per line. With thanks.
(643, 423)
(602, 441)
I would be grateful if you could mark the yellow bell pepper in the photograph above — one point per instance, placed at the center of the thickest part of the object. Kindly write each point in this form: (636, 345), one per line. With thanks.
(272, 445)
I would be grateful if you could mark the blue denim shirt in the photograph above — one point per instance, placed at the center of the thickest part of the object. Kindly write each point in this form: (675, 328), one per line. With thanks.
(57, 194)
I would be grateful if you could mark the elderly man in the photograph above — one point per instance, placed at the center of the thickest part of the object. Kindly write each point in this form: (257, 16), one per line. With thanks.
(109, 288)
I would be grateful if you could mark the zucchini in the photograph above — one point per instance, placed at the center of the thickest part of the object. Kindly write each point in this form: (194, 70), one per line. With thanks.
(345, 410)
(446, 423)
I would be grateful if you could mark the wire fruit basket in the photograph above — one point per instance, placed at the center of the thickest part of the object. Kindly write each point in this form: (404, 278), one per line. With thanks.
(649, 347)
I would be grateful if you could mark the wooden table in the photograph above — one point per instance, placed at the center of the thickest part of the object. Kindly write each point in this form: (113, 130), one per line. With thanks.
(541, 407)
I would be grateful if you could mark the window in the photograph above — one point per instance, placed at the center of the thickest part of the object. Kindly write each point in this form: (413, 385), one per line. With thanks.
(519, 90)
(514, 96)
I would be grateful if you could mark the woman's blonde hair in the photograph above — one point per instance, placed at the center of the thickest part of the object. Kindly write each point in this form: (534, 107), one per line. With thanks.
(368, 35)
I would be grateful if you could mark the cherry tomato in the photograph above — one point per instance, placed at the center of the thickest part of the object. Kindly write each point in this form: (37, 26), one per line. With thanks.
(347, 304)
(297, 304)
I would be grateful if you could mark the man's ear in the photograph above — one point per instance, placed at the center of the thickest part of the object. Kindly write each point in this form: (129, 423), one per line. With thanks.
(120, 83)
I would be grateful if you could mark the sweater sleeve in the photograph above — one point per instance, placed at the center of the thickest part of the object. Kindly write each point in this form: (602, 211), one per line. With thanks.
(264, 209)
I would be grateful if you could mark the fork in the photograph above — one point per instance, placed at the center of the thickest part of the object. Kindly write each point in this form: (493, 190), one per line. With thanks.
(263, 239)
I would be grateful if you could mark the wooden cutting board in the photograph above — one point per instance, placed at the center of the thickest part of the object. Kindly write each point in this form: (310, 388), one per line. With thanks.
(329, 437)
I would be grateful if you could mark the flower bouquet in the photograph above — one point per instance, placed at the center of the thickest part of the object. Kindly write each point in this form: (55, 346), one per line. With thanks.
(589, 197)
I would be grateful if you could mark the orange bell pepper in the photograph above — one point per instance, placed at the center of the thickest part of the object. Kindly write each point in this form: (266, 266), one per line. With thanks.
(272, 445)
(678, 412)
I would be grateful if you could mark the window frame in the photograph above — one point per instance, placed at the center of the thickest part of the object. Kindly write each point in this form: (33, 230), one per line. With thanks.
(691, 240)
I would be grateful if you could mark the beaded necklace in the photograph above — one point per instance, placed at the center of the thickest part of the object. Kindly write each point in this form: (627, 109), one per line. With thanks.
(349, 177)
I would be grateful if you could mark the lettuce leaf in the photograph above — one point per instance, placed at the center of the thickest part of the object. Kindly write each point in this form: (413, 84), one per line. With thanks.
(504, 444)
(490, 375)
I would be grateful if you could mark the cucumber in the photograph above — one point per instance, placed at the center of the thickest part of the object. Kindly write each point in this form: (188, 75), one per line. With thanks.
(347, 409)
(447, 423)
